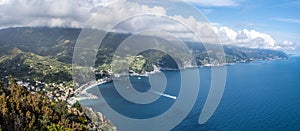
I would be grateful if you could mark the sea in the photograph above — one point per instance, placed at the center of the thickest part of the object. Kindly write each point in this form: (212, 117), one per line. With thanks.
(262, 95)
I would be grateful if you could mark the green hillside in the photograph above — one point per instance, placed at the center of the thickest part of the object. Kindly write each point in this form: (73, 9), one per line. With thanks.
(45, 54)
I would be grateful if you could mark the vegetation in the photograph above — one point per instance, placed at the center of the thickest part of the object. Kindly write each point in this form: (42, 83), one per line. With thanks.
(42, 57)
(135, 64)
(48, 52)
(22, 110)
(38, 67)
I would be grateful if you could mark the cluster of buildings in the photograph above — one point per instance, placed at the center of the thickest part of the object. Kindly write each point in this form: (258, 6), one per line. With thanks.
(53, 91)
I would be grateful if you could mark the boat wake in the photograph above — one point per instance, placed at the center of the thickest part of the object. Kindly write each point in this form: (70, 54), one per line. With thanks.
(165, 95)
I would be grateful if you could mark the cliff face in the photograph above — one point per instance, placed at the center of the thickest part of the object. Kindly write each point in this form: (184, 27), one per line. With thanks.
(100, 122)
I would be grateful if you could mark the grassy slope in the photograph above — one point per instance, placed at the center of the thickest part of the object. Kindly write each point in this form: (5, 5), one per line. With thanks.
(25, 65)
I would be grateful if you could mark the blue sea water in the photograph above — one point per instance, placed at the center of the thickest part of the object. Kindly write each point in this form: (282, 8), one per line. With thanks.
(263, 95)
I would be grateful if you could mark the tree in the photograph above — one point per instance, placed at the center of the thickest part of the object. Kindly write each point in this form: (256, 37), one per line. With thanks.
(22, 110)
(56, 127)
(77, 106)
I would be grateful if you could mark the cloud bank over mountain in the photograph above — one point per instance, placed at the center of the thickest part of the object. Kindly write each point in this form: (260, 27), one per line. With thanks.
(253, 39)
(70, 13)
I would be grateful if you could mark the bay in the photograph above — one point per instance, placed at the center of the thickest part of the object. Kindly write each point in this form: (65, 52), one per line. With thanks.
(263, 95)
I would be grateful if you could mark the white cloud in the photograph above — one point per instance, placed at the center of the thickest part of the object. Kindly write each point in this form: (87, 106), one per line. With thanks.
(226, 34)
(289, 20)
(119, 12)
(46, 12)
(218, 3)
(206, 11)
(253, 39)
(286, 45)
(2, 2)
(69, 13)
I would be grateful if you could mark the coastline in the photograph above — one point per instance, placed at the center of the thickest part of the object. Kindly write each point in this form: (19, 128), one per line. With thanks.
(82, 94)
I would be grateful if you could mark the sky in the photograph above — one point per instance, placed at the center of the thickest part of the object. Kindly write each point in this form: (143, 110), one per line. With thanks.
(267, 24)
(278, 18)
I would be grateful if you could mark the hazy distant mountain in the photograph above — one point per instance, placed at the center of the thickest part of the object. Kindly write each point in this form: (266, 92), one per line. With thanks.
(59, 42)
(42, 44)
(45, 54)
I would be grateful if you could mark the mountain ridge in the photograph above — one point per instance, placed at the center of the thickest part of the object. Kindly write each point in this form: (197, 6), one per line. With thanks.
(57, 46)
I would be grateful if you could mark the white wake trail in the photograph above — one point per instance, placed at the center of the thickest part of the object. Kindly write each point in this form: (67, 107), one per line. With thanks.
(165, 95)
